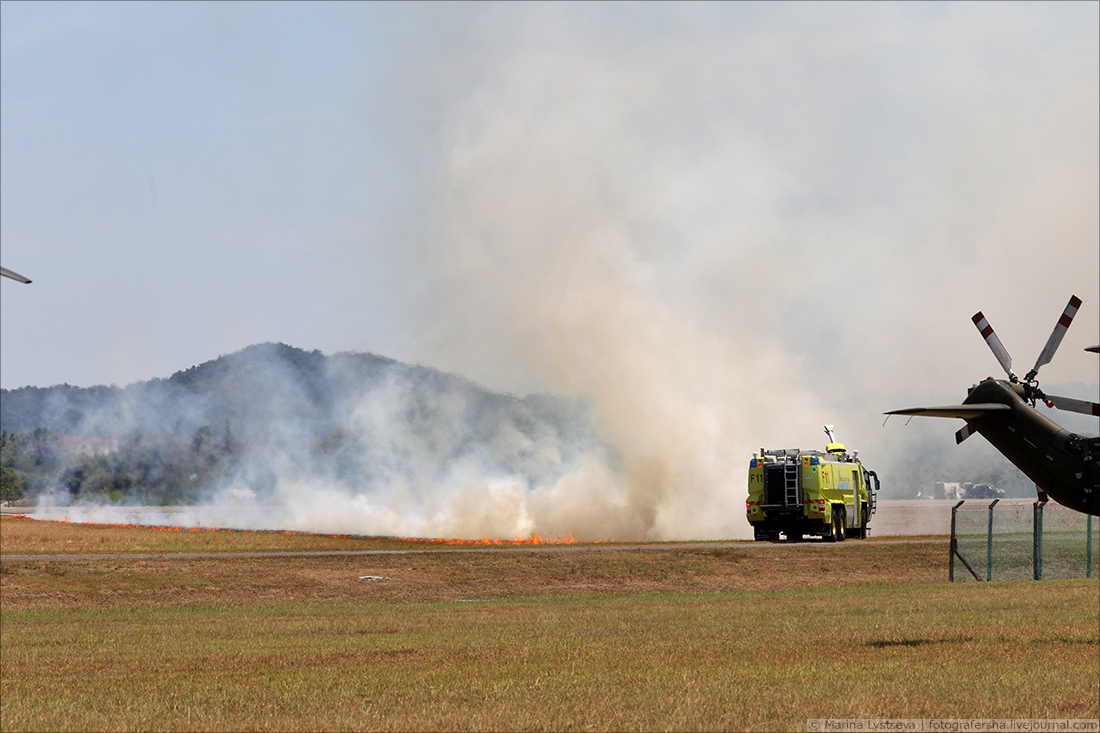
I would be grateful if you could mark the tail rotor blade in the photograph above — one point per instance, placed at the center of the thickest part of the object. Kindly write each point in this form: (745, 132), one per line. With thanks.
(995, 344)
(1059, 331)
(963, 433)
(1067, 403)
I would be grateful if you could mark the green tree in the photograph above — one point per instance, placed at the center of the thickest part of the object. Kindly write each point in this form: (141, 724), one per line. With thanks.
(13, 483)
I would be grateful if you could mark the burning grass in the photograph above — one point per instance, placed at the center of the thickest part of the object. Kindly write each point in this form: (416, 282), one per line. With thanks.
(751, 638)
(25, 535)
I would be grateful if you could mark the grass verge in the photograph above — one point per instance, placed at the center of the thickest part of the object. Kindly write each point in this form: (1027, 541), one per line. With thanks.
(743, 639)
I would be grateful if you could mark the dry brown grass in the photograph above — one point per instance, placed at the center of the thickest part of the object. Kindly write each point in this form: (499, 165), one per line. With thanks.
(754, 637)
(429, 573)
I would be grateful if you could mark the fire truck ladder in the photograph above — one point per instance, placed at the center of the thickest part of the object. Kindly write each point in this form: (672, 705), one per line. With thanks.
(790, 484)
(872, 491)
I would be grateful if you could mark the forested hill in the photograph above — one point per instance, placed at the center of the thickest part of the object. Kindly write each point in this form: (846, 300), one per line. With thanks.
(236, 386)
(252, 388)
(272, 410)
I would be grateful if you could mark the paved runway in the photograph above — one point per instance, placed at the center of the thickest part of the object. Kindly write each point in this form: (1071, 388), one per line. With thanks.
(496, 548)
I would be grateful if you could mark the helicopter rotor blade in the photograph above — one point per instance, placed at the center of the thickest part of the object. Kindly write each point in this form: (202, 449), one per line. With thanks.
(13, 275)
(995, 344)
(1071, 405)
(963, 433)
(1056, 336)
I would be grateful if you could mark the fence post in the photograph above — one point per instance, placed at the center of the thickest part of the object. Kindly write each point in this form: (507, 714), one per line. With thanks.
(953, 546)
(1088, 546)
(1042, 510)
(955, 550)
(989, 544)
(1037, 540)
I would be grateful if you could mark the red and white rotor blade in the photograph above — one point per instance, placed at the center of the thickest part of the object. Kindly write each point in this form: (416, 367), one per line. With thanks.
(963, 433)
(1067, 403)
(1059, 331)
(995, 344)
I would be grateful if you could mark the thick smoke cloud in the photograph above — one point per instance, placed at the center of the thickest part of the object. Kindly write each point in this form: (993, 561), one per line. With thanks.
(727, 236)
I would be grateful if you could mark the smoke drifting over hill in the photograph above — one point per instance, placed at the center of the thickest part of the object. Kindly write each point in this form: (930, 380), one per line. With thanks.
(280, 438)
(351, 443)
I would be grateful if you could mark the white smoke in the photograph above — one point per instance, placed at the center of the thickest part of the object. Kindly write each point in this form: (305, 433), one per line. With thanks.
(727, 236)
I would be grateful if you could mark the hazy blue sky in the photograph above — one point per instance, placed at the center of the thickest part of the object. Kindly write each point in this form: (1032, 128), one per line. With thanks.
(601, 199)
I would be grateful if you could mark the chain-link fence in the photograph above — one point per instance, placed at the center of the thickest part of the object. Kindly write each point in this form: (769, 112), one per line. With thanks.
(1014, 540)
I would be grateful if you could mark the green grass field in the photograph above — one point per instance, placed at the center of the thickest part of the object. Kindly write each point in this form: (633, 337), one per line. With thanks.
(743, 638)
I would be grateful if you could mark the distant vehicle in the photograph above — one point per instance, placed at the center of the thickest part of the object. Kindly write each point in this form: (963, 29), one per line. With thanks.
(983, 491)
(1062, 464)
(13, 275)
(954, 490)
(798, 492)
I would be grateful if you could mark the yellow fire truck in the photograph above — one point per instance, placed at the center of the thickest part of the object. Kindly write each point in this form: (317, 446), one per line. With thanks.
(806, 492)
